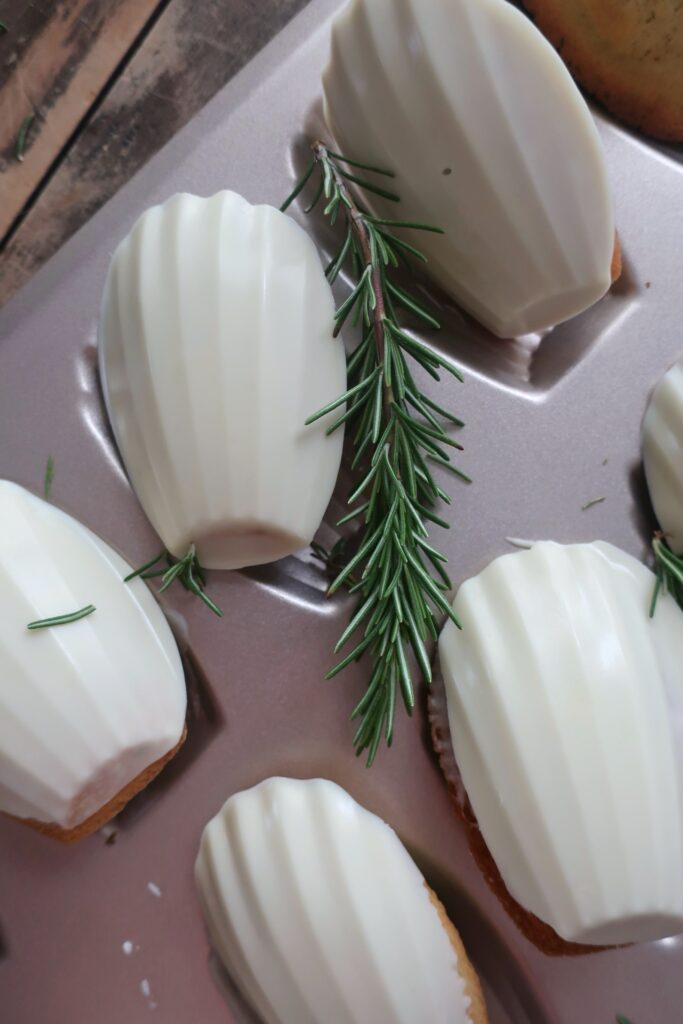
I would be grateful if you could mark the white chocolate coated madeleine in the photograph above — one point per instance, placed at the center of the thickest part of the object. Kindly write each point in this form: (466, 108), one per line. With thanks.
(490, 140)
(565, 708)
(320, 915)
(85, 708)
(215, 347)
(663, 454)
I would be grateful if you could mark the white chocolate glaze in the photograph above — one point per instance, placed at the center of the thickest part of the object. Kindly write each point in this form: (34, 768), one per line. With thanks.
(215, 347)
(663, 454)
(84, 707)
(565, 704)
(491, 141)
(320, 915)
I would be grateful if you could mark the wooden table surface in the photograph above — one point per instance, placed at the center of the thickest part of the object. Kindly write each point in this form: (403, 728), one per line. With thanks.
(96, 87)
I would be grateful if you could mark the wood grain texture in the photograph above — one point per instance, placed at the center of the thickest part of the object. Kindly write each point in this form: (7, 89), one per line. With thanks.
(193, 49)
(54, 60)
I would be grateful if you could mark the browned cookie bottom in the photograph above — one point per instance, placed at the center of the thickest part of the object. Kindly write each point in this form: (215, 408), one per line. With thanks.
(477, 1009)
(533, 928)
(110, 809)
(616, 265)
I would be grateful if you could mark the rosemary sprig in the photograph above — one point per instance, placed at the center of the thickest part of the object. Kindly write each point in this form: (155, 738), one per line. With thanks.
(21, 137)
(397, 434)
(186, 570)
(49, 477)
(62, 620)
(669, 571)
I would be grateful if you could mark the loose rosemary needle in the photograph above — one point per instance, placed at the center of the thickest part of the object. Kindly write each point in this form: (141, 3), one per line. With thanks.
(62, 620)
(186, 570)
(593, 502)
(397, 433)
(669, 572)
(21, 137)
(49, 476)
(520, 542)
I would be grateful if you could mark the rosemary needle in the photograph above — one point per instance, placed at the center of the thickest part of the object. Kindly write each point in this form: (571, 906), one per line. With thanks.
(622, 1020)
(62, 620)
(21, 137)
(3, 27)
(592, 502)
(397, 434)
(364, 167)
(49, 476)
(520, 542)
(669, 572)
(143, 568)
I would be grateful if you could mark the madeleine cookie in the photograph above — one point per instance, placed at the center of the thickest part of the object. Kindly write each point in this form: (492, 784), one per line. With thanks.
(90, 709)
(491, 141)
(209, 308)
(320, 915)
(562, 700)
(627, 53)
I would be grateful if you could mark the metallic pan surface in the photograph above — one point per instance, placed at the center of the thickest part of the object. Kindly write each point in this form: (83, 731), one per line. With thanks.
(113, 933)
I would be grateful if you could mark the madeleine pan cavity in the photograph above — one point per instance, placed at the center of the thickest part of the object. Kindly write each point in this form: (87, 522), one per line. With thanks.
(319, 914)
(564, 703)
(89, 708)
(492, 142)
(215, 346)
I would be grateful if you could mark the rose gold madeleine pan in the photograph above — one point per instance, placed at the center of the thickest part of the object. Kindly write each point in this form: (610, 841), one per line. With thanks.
(110, 929)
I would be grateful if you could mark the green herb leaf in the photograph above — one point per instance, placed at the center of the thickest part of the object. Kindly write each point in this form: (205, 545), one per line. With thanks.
(144, 568)
(21, 137)
(300, 185)
(364, 167)
(398, 576)
(369, 186)
(49, 476)
(669, 572)
(415, 225)
(62, 620)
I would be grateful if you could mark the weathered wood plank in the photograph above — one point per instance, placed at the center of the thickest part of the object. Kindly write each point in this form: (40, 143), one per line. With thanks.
(194, 48)
(54, 60)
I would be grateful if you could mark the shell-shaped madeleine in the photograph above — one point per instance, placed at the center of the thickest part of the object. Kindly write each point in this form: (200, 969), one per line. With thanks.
(564, 705)
(490, 140)
(320, 915)
(86, 707)
(663, 454)
(215, 347)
